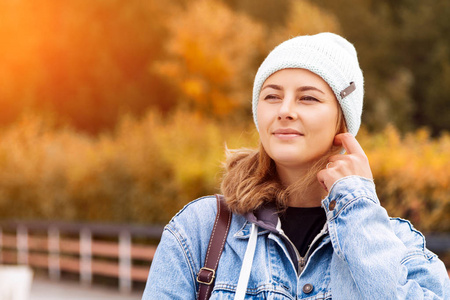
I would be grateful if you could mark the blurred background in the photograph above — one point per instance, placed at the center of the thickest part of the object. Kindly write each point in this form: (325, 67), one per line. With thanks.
(119, 110)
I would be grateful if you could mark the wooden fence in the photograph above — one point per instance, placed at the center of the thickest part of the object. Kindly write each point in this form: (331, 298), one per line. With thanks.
(98, 249)
(82, 248)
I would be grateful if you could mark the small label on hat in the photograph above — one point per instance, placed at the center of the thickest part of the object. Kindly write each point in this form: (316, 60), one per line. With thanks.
(348, 90)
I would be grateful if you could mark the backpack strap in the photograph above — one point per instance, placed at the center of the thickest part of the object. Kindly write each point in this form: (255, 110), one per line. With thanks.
(207, 274)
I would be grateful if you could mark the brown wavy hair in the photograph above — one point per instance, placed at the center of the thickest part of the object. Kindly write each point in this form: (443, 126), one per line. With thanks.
(251, 179)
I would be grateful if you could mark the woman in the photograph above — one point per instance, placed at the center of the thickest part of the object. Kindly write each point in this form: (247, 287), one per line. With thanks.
(312, 210)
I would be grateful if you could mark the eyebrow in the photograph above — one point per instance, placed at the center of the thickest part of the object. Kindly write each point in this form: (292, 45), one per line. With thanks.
(300, 89)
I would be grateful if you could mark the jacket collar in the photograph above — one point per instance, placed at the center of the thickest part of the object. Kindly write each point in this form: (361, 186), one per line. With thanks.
(265, 217)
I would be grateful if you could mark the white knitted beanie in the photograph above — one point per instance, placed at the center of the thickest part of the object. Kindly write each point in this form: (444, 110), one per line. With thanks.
(328, 55)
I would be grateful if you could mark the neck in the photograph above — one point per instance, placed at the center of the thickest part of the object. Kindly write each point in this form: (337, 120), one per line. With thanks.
(308, 193)
(310, 196)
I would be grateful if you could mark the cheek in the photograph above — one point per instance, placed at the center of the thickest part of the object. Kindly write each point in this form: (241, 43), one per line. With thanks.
(263, 127)
(325, 127)
(263, 118)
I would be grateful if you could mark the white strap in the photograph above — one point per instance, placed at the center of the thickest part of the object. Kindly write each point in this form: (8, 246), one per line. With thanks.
(279, 226)
(247, 264)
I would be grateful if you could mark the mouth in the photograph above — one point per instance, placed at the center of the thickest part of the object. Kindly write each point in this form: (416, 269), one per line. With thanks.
(287, 133)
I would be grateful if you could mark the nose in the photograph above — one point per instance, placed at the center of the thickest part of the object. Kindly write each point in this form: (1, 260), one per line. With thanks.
(286, 110)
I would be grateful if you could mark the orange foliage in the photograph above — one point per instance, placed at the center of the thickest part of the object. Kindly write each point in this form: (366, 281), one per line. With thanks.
(90, 62)
(146, 170)
(305, 17)
(211, 51)
(411, 174)
(85, 61)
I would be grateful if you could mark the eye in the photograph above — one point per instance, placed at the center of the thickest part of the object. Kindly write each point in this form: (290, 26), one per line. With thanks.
(308, 98)
(272, 97)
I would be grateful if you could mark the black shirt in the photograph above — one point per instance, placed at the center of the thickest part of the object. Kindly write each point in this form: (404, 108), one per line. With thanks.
(302, 225)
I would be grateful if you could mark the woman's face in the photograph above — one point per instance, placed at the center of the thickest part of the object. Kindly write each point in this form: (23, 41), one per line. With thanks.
(297, 117)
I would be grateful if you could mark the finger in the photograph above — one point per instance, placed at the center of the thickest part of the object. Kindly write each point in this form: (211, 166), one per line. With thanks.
(321, 179)
(337, 157)
(349, 142)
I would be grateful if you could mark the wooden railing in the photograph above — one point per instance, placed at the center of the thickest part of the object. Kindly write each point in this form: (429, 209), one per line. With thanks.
(82, 248)
(98, 249)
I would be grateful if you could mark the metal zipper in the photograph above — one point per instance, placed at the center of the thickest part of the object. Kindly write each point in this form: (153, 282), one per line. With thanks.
(297, 254)
(302, 260)
(319, 236)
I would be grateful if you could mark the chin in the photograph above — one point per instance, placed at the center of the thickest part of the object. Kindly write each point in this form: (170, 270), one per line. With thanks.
(289, 160)
(296, 158)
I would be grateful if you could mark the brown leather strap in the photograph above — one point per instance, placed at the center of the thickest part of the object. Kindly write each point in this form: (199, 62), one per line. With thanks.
(207, 274)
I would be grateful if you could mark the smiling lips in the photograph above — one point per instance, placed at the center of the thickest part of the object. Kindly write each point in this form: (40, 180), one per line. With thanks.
(287, 133)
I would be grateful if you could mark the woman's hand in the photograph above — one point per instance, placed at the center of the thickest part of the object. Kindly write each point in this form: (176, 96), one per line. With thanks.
(355, 162)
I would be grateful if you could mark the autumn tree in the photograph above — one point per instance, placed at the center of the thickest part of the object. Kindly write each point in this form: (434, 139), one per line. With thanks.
(90, 62)
(86, 62)
(210, 62)
(404, 51)
(304, 18)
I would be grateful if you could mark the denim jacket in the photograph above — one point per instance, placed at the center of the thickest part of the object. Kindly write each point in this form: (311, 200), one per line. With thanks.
(360, 254)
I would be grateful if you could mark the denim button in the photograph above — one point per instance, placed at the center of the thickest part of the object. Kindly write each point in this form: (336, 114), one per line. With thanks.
(307, 288)
(332, 205)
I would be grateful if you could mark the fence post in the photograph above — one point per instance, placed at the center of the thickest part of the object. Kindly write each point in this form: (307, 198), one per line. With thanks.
(53, 248)
(125, 262)
(22, 245)
(86, 256)
(1, 245)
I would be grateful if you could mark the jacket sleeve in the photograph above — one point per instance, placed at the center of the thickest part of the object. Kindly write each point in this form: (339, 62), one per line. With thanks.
(386, 258)
(171, 273)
